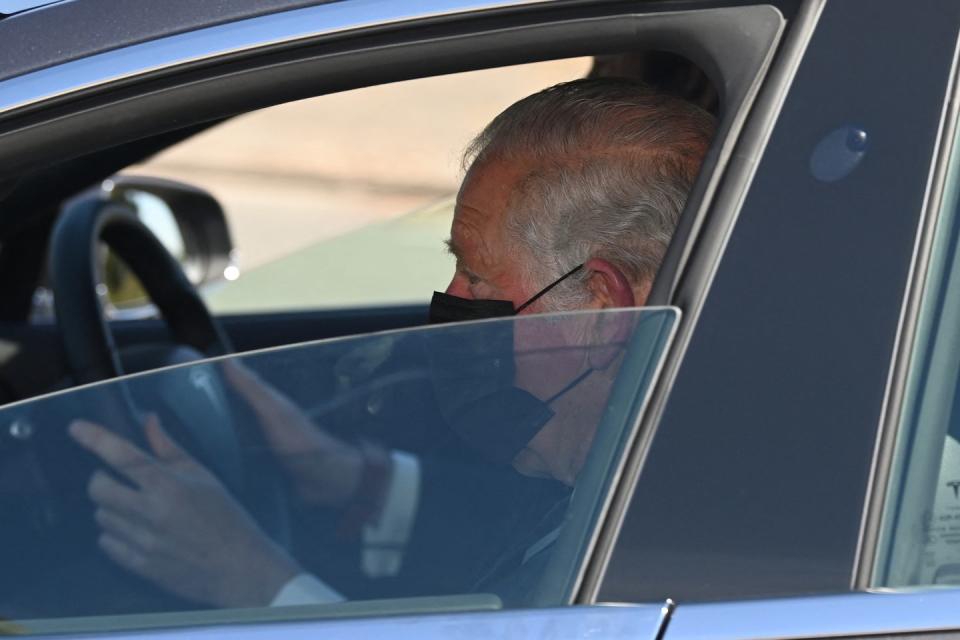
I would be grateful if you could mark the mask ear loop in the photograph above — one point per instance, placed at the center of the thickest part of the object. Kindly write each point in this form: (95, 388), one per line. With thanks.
(536, 297)
(570, 385)
(547, 288)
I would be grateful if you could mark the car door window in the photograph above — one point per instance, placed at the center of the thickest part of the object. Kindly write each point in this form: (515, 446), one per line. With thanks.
(461, 466)
(920, 542)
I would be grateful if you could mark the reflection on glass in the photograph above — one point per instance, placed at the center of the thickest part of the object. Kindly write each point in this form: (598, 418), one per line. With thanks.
(454, 461)
(156, 215)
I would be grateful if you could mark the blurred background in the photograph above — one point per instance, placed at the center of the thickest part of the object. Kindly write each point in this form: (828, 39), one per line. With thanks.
(313, 189)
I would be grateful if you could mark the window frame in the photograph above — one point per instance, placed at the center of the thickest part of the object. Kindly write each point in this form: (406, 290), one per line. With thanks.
(73, 120)
(626, 578)
(876, 525)
(92, 118)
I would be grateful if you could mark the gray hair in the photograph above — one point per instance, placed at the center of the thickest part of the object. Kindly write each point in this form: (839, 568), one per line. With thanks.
(609, 163)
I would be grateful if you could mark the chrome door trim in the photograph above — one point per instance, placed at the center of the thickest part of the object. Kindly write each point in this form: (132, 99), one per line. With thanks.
(210, 43)
(852, 614)
(10, 7)
(635, 622)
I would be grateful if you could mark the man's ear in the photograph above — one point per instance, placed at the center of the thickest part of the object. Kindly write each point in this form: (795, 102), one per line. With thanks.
(609, 287)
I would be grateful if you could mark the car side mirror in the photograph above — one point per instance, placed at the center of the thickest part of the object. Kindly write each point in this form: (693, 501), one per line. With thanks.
(187, 220)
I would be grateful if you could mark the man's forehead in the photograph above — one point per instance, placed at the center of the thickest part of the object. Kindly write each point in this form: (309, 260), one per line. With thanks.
(477, 234)
(486, 193)
(470, 231)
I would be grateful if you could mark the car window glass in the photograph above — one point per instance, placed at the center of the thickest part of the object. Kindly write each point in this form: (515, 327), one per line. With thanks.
(455, 466)
(314, 188)
(920, 541)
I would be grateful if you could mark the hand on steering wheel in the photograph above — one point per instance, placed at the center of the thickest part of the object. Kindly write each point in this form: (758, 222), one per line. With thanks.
(177, 525)
(192, 396)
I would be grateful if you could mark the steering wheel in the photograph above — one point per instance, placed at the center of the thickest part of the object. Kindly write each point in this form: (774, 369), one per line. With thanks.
(193, 400)
(91, 352)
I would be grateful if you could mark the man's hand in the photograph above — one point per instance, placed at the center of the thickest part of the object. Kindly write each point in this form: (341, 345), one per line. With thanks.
(324, 469)
(178, 526)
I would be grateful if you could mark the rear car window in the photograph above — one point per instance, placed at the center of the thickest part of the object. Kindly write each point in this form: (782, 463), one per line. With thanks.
(920, 540)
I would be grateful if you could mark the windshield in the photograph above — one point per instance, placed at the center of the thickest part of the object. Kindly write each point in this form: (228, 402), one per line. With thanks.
(461, 466)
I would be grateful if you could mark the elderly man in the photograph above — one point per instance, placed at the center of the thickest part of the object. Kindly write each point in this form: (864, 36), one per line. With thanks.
(568, 203)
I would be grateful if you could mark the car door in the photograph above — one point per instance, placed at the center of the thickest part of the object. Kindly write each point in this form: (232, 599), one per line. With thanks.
(194, 510)
(728, 297)
(853, 615)
(770, 474)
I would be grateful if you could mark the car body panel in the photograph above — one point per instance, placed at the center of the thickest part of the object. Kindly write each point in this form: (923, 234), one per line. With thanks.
(43, 33)
(205, 44)
(852, 614)
(634, 622)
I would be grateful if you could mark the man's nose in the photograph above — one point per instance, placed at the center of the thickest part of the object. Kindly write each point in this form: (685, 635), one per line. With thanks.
(459, 287)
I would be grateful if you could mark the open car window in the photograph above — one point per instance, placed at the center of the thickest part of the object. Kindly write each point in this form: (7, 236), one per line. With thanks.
(313, 188)
(247, 452)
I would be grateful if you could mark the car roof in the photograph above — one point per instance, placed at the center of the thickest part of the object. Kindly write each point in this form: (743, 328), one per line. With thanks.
(42, 34)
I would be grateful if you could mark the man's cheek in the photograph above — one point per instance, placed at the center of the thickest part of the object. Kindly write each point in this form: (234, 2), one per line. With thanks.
(546, 358)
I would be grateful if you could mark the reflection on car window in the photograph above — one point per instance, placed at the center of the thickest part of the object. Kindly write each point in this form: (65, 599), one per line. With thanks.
(920, 541)
(450, 466)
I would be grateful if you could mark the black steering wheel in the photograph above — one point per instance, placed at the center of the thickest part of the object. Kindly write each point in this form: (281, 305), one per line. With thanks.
(91, 352)
(51, 567)
(193, 401)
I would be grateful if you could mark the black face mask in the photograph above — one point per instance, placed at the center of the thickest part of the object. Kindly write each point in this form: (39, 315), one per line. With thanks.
(448, 308)
(473, 373)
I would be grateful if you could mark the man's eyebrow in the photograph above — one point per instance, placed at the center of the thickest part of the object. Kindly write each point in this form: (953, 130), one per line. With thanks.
(452, 248)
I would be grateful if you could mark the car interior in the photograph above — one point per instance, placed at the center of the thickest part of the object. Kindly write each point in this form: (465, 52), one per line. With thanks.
(36, 363)
(47, 262)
